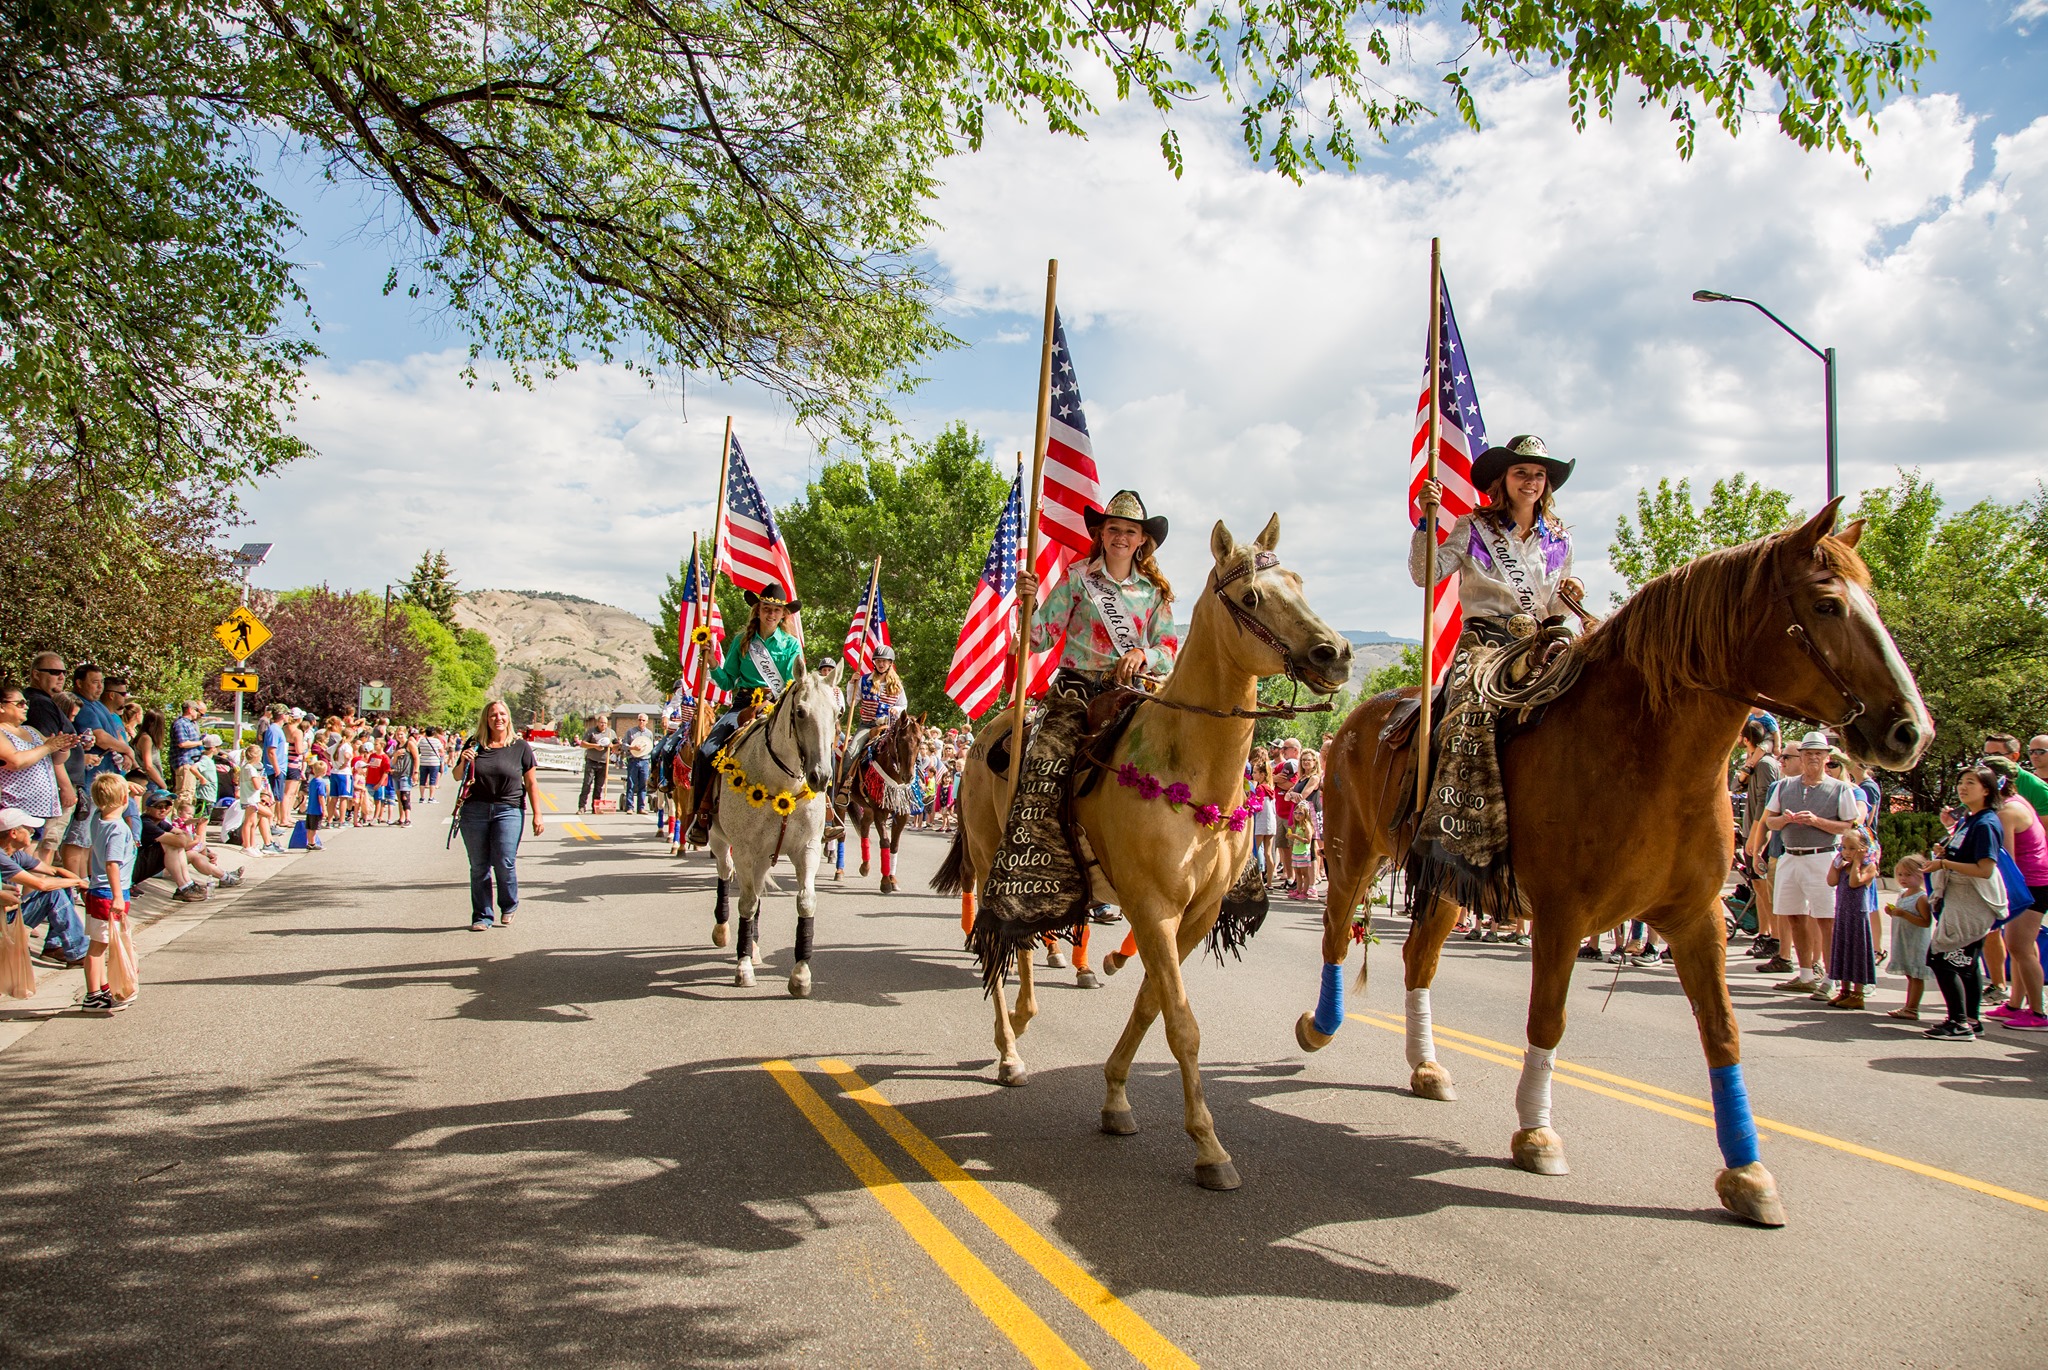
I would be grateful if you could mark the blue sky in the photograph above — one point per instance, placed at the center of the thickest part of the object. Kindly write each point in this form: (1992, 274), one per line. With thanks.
(1246, 345)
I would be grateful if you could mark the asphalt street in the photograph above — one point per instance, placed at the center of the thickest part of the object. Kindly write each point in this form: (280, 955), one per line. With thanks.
(338, 1128)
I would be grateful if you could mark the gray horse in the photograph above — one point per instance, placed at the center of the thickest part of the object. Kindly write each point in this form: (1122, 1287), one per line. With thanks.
(776, 763)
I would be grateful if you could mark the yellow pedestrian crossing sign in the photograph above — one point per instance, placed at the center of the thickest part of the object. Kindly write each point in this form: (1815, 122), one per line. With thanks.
(242, 634)
(238, 682)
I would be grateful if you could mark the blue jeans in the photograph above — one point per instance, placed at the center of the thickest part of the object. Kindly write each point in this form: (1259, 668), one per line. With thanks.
(490, 834)
(636, 785)
(66, 939)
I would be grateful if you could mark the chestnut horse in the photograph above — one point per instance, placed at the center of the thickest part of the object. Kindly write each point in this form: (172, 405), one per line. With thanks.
(1169, 871)
(1785, 622)
(893, 748)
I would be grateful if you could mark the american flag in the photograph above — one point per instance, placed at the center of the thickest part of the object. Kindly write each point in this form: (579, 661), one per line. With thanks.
(1461, 435)
(1071, 486)
(869, 630)
(686, 625)
(981, 658)
(750, 551)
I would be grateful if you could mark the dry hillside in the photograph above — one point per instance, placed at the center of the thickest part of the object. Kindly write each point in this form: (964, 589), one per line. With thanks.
(590, 654)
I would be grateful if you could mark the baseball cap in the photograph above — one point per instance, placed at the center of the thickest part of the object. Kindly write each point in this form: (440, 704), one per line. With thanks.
(156, 796)
(210, 740)
(11, 818)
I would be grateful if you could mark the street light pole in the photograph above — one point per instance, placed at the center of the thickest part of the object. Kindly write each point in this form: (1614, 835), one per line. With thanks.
(1827, 360)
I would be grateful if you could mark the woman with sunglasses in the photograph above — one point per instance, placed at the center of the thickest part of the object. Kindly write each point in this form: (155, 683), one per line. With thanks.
(29, 777)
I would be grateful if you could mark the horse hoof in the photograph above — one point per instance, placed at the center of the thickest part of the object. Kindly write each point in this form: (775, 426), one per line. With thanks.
(1540, 1151)
(1119, 1122)
(1113, 962)
(863, 868)
(721, 933)
(1085, 979)
(1012, 1073)
(744, 976)
(1751, 1194)
(1221, 1175)
(837, 876)
(800, 981)
(1055, 960)
(888, 884)
(1311, 1037)
(1431, 1081)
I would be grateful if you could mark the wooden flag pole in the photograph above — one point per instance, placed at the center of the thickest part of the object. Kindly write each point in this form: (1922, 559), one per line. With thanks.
(707, 582)
(1025, 612)
(1436, 348)
(853, 695)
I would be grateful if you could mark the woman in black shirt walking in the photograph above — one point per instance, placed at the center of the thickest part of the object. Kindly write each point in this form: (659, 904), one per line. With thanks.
(497, 785)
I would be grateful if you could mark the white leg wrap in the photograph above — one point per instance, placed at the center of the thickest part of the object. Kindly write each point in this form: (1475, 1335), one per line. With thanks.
(1532, 1095)
(1421, 1046)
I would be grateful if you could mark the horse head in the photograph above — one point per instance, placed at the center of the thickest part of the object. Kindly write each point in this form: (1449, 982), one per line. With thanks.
(1276, 632)
(1828, 654)
(813, 721)
(897, 749)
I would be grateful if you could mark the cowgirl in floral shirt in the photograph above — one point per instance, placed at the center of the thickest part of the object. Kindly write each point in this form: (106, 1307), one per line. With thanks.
(1115, 607)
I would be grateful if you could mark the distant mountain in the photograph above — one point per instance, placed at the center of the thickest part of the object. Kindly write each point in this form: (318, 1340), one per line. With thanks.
(590, 654)
(1362, 637)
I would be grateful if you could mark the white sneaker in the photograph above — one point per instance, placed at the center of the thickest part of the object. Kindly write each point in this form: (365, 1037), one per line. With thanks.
(1823, 990)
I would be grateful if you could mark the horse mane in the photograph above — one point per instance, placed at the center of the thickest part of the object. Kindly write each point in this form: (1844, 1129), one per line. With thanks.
(1691, 628)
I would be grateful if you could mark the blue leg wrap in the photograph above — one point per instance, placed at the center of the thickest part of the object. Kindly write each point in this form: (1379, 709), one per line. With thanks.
(1330, 1002)
(1733, 1125)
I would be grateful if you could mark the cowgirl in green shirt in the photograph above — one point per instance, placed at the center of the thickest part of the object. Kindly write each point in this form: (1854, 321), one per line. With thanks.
(763, 657)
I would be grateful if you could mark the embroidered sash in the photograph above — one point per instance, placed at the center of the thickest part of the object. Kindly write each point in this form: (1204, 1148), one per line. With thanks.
(764, 665)
(1108, 598)
(1511, 569)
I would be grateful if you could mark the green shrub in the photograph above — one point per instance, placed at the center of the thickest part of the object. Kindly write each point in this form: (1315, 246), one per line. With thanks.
(1908, 834)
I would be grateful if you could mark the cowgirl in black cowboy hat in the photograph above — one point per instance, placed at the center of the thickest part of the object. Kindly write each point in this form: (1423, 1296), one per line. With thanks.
(1513, 555)
(1114, 606)
(763, 657)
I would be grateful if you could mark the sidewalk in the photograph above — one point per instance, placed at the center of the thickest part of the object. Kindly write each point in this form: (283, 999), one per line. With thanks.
(155, 919)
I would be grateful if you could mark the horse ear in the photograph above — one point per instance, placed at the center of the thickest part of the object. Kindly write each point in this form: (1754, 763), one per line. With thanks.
(1853, 534)
(1808, 535)
(1270, 538)
(1221, 543)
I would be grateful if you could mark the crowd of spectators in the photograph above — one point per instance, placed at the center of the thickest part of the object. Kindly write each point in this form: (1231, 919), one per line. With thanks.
(99, 793)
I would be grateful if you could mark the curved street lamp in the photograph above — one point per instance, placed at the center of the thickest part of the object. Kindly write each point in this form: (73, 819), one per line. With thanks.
(1827, 358)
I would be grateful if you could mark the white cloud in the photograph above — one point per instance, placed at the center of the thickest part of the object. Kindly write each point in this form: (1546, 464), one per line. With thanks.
(1246, 345)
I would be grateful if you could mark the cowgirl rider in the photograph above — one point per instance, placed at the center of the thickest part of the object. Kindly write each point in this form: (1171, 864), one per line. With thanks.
(1513, 556)
(1115, 607)
(882, 696)
(763, 657)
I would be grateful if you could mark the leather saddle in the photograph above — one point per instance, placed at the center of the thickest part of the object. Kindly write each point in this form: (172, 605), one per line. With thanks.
(1109, 716)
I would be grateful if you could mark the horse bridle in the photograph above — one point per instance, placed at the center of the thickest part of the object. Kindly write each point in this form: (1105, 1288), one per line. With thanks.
(1261, 560)
(793, 772)
(1802, 638)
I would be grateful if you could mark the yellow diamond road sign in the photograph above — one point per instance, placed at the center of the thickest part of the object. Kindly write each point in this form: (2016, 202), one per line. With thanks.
(242, 634)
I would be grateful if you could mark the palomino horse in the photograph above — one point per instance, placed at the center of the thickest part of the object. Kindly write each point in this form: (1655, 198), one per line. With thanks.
(892, 750)
(1169, 871)
(773, 804)
(1785, 622)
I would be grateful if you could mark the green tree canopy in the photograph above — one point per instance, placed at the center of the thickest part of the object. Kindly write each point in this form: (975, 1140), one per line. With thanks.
(1966, 598)
(454, 693)
(1669, 531)
(928, 511)
(432, 587)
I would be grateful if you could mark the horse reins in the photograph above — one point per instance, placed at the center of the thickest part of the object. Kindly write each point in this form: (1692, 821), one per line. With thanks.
(1803, 639)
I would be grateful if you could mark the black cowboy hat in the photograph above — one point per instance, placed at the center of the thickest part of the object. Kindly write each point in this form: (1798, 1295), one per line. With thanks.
(1494, 462)
(772, 593)
(1125, 504)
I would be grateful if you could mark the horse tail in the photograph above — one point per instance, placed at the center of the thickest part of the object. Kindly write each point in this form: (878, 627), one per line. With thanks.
(953, 870)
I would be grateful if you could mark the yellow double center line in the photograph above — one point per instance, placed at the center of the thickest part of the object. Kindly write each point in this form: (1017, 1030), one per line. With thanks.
(1031, 1335)
(1690, 1108)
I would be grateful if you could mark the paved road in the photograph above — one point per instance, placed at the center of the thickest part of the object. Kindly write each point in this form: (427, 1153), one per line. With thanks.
(339, 1128)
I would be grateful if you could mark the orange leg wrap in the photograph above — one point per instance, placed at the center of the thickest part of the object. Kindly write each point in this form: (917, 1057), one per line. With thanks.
(966, 912)
(1130, 947)
(1081, 949)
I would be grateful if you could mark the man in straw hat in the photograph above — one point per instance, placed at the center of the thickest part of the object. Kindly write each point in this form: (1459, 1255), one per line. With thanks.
(1810, 810)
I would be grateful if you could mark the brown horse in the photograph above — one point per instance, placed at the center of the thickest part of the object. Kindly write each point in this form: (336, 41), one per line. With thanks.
(1169, 872)
(893, 749)
(1785, 622)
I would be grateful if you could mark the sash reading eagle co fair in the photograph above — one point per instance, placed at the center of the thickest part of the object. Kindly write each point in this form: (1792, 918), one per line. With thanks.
(764, 665)
(1511, 568)
(1109, 606)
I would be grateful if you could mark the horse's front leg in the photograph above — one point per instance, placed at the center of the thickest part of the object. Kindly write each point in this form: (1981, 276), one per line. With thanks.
(1009, 1065)
(746, 940)
(1427, 1077)
(805, 858)
(1162, 943)
(890, 831)
(1746, 1189)
(721, 908)
(1349, 878)
(1555, 946)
